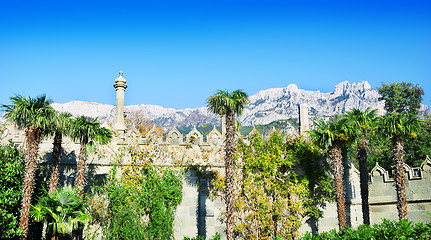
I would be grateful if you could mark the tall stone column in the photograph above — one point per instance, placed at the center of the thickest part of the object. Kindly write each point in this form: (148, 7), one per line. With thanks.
(303, 118)
(120, 86)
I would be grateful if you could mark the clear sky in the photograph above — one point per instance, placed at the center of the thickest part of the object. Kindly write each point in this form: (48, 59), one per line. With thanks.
(177, 53)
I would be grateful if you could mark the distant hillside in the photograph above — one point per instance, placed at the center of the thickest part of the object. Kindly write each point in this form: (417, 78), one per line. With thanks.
(265, 107)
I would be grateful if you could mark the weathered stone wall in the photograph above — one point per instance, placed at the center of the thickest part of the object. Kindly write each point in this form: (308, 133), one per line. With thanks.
(418, 190)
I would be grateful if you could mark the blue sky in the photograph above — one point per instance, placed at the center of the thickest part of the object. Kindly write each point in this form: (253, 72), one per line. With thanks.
(177, 53)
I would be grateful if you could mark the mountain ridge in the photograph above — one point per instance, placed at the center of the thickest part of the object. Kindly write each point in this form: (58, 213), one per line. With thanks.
(265, 106)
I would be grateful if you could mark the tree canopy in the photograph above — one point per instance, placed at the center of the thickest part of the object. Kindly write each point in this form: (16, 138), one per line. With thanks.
(401, 97)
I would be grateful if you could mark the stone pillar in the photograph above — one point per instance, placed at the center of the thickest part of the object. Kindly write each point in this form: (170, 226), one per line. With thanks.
(120, 86)
(303, 118)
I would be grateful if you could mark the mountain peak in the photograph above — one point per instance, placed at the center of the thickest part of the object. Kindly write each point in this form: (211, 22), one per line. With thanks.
(265, 106)
(345, 87)
(292, 87)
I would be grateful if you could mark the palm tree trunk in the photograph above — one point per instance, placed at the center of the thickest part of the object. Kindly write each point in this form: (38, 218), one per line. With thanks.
(52, 236)
(55, 236)
(80, 179)
(229, 166)
(80, 170)
(363, 170)
(338, 171)
(400, 185)
(56, 156)
(33, 137)
(76, 233)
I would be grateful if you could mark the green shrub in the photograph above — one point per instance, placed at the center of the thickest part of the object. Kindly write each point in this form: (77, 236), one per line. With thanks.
(11, 174)
(62, 210)
(386, 230)
(215, 237)
(138, 205)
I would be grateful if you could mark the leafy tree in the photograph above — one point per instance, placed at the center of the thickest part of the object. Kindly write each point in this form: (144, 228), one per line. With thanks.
(401, 97)
(418, 146)
(362, 123)
(60, 126)
(34, 115)
(380, 152)
(137, 120)
(62, 210)
(86, 130)
(11, 179)
(269, 202)
(139, 204)
(279, 184)
(331, 136)
(228, 104)
(161, 194)
(309, 160)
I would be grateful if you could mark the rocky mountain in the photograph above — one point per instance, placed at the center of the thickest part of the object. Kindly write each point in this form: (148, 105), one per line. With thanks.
(282, 103)
(265, 106)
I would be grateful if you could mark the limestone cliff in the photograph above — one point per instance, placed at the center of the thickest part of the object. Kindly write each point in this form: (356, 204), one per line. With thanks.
(265, 106)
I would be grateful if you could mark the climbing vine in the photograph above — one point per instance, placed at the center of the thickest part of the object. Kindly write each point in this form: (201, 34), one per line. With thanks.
(137, 202)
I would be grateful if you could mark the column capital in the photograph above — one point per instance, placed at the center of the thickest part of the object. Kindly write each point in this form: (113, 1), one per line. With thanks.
(120, 82)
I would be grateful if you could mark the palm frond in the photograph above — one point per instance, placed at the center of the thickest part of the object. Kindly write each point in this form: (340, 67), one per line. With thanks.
(394, 124)
(89, 128)
(62, 209)
(27, 111)
(223, 102)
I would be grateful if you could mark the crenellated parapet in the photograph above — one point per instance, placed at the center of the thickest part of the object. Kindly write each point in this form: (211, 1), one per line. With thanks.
(11, 133)
(215, 138)
(412, 173)
(173, 137)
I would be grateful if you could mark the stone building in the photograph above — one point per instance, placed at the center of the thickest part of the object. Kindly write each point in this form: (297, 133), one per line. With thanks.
(197, 213)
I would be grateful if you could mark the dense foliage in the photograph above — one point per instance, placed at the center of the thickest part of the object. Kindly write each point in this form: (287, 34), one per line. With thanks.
(280, 183)
(138, 205)
(386, 230)
(401, 97)
(416, 146)
(215, 237)
(268, 203)
(11, 178)
(62, 210)
(310, 161)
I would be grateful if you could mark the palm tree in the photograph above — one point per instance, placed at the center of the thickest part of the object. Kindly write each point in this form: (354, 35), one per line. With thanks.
(228, 104)
(331, 136)
(34, 115)
(86, 130)
(62, 210)
(60, 127)
(362, 123)
(397, 126)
